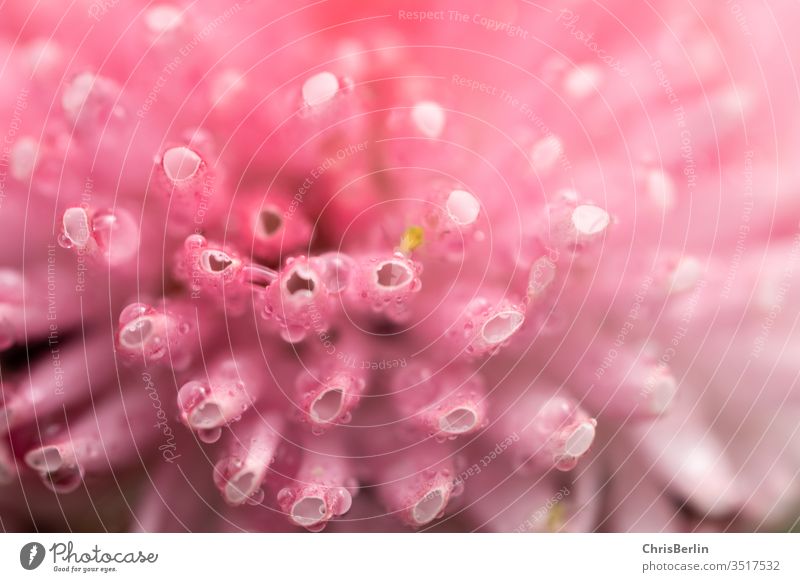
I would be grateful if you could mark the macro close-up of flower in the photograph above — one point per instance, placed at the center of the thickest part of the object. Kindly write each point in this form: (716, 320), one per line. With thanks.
(397, 266)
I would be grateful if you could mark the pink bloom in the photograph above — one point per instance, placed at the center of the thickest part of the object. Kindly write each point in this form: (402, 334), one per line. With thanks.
(352, 267)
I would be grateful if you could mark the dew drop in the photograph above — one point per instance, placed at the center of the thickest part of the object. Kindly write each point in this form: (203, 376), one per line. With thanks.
(320, 88)
(133, 311)
(209, 435)
(256, 498)
(191, 394)
(342, 502)
(285, 496)
(116, 235)
(64, 241)
(293, 334)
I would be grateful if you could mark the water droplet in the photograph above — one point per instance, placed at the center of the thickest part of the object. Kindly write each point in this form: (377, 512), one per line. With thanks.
(342, 501)
(256, 498)
(209, 435)
(133, 311)
(137, 333)
(195, 241)
(191, 394)
(285, 496)
(64, 241)
(116, 234)
(293, 334)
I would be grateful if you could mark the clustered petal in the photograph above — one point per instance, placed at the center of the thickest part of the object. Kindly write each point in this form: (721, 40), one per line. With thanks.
(377, 266)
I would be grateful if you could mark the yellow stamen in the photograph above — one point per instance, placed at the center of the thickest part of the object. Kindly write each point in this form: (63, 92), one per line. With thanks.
(556, 517)
(413, 237)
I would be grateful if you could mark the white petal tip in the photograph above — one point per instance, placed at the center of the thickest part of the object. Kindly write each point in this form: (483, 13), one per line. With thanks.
(590, 220)
(545, 153)
(581, 438)
(241, 487)
(427, 508)
(462, 207)
(458, 421)
(327, 406)
(429, 118)
(320, 88)
(502, 326)
(207, 415)
(45, 459)
(180, 163)
(661, 393)
(308, 511)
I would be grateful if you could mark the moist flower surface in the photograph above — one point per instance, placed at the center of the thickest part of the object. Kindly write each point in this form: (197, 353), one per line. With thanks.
(378, 266)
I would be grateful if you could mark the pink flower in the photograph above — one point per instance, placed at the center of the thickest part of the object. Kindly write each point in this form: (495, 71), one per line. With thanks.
(367, 267)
